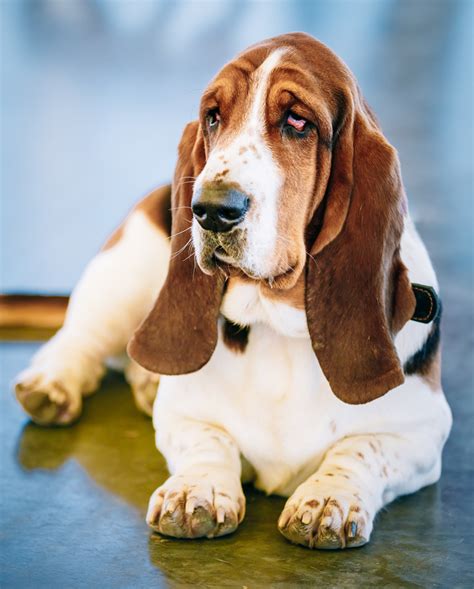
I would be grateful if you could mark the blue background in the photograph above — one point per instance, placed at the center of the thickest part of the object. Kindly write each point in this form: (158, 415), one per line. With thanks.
(95, 95)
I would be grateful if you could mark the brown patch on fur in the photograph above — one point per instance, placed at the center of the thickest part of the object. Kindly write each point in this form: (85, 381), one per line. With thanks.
(334, 503)
(293, 296)
(156, 206)
(360, 455)
(114, 238)
(243, 150)
(312, 503)
(236, 337)
(427, 361)
(355, 508)
(328, 474)
(254, 150)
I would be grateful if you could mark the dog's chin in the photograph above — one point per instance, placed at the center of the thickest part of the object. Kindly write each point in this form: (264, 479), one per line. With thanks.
(212, 261)
(220, 260)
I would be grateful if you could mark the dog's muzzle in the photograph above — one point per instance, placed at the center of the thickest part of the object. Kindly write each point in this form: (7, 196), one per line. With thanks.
(219, 208)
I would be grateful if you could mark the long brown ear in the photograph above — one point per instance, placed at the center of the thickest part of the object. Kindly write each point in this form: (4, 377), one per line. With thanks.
(180, 333)
(357, 290)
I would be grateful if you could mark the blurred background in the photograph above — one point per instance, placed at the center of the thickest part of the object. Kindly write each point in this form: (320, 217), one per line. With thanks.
(95, 94)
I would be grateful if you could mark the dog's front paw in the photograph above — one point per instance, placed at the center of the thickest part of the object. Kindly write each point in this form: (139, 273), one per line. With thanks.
(48, 400)
(196, 506)
(318, 517)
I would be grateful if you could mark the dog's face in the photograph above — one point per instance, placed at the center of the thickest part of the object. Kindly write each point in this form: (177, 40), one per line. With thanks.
(289, 177)
(263, 120)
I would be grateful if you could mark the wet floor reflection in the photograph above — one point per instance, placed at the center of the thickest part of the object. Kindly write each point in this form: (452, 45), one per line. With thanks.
(113, 442)
(113, 446)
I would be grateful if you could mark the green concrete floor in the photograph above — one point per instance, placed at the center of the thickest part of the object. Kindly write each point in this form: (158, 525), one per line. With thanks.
(74, 500)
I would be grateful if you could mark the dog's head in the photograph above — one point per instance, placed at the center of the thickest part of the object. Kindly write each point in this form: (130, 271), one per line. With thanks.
(287, 172)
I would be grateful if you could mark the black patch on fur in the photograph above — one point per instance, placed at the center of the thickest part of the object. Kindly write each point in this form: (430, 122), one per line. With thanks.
(236, 337)
(420, 362)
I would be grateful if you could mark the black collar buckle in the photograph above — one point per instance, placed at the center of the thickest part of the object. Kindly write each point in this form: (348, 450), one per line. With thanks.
(428, 303)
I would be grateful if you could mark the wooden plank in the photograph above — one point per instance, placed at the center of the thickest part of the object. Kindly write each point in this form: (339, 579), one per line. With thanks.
(32, 310)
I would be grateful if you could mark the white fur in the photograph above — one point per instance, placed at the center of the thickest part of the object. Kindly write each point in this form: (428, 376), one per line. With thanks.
(113, 296)
(255, 171)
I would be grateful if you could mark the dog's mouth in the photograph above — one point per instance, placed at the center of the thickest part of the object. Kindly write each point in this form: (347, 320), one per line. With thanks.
(225, 252)
(221, 250)
(221, 255)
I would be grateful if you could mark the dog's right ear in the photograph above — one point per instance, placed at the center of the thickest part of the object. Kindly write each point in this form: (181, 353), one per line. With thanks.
(180, 333)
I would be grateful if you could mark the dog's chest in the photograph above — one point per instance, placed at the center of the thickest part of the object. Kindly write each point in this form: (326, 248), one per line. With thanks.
(245, 304)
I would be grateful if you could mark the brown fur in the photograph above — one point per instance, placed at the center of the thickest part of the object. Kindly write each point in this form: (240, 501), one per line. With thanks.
(156, 206)
(426, 362)
(341, 205)
(293, 296)
(432, 372)
(180, 333)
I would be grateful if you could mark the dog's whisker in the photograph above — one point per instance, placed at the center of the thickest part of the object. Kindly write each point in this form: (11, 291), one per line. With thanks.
(179, 232)
(181, 250)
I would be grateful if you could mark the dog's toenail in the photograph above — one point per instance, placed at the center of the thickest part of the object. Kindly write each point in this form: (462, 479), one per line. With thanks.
(306, 518)
(353, 530)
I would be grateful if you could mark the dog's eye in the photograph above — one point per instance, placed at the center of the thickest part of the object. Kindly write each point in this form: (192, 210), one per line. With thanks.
(213, 118)
(296, 122)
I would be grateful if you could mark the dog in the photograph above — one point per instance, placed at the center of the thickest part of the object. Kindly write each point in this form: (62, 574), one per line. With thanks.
(279, 294)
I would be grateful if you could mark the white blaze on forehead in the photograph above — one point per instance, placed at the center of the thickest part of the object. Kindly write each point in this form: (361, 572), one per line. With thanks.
(257, 112)
(246, 160)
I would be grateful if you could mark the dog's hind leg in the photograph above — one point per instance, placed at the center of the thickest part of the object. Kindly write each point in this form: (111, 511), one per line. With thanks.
(117, 289)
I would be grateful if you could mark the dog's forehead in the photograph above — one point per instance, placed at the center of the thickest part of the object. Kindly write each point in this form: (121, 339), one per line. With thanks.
(301, 58)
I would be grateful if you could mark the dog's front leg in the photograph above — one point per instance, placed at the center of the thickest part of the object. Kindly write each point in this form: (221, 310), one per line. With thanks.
(336, 506)
(114, 294)
(204, 496)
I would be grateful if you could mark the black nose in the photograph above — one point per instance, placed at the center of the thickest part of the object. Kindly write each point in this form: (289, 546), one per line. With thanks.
(219, 210)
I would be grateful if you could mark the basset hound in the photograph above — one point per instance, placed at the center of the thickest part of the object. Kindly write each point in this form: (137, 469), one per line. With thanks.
(280, 295)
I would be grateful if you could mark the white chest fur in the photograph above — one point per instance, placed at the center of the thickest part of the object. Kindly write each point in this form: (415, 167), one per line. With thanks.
(245, 304)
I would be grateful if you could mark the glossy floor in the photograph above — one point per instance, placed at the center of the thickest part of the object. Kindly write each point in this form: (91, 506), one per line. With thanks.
(74, 499)
(100, 114)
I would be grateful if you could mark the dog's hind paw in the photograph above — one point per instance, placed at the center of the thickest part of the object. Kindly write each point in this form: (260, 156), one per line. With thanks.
(46, 399)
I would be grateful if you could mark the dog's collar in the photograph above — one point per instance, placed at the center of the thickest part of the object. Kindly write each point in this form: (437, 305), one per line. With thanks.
(428, 303)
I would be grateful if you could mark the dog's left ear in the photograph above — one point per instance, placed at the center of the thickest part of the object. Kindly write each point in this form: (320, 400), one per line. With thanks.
(180, 333)
(358, 295)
